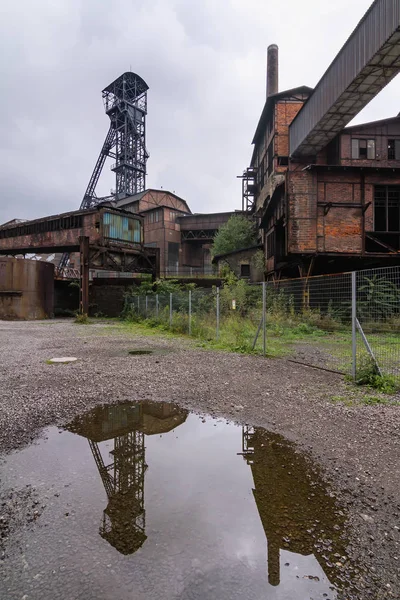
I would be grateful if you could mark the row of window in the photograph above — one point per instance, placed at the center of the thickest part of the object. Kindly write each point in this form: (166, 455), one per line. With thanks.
(154, 217)
(365, 149)
(173, 215)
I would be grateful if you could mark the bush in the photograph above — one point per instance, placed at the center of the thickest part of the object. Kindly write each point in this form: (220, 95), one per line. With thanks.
(82, 319)
(368, 374)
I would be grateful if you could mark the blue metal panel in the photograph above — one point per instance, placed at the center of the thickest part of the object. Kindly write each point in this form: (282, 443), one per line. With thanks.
(121, 227)
(367, 62)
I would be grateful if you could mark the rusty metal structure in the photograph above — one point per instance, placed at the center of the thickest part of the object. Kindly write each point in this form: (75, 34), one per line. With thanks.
(125, 103)
(124, 519)
(326, 196)
(367, 62)
(106, 238)
(26, 289)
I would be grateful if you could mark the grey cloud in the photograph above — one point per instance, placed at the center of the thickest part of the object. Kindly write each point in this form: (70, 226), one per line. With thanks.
(204, 62)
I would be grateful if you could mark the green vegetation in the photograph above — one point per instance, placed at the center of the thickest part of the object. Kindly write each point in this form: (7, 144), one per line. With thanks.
(82, 319)
(378, 298)
(238, 232)
(238, 325)
(368, 374)
(315, 333)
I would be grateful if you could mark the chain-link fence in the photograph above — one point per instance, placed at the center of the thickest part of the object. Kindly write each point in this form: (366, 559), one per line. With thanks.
(348, 322)
(377, 321)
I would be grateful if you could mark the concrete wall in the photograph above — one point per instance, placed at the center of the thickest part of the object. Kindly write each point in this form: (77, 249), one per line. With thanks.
(235, 261)
(107, 296)
(26, 289)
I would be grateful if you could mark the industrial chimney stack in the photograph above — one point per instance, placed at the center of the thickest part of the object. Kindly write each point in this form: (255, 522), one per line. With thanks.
(272, 70)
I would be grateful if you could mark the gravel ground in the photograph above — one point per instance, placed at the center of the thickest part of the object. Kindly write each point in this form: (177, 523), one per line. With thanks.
(358, 446)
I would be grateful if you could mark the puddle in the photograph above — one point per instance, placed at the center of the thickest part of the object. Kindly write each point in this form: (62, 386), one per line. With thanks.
(139, 352)
(145, 501)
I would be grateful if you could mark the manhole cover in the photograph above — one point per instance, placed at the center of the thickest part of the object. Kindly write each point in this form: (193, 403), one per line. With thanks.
(139, 352)
(63, 359)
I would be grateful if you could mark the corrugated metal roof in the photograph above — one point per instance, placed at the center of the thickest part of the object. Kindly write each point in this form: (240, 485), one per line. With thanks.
(364, 66)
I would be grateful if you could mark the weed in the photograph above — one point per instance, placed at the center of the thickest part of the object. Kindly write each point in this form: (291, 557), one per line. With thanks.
(368, 374)
(82, 319)
(372, 400)
(346, 400)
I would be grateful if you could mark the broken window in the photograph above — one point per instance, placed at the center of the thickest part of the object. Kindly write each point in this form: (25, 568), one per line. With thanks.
(387, 208)
(362, 148)
(270, 158)
(393, 149)
(271, 244)
(283, 161)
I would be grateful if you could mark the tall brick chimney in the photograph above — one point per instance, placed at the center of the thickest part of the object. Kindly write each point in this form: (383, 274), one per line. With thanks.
(272, 70)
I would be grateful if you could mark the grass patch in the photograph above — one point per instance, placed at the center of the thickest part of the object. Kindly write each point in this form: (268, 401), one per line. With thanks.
(346, 400)
(374, 400)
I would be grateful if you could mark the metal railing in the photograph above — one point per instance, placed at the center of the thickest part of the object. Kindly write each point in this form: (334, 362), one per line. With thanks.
(206, 271)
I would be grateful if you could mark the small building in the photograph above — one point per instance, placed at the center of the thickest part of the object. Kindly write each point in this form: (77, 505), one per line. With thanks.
(184, 239)
(242, 263)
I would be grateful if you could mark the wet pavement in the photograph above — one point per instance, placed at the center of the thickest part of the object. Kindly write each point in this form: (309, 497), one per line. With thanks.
(145, 500)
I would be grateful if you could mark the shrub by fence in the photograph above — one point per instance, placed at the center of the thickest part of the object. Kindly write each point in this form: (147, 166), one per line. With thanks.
(348, 322)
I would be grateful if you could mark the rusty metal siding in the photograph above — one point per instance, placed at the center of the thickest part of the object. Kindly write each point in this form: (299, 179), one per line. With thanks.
(122, 228)
(26, 289)
(379, 23)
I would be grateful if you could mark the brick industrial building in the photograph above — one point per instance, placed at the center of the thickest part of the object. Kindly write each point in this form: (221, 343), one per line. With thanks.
(184, 239)
(327, 196)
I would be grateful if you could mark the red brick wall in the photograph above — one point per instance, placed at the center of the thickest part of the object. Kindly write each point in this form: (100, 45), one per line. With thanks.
(285, 112)
(313, 226)
(302, 208)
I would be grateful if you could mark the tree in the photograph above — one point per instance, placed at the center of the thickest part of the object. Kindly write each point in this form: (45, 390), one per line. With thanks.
(238, 232)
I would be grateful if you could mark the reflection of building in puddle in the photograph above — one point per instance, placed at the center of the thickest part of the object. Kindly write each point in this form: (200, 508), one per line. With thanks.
(123, 524)
(296, 510)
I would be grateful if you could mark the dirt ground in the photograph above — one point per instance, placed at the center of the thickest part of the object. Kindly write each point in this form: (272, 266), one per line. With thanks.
(357, 446)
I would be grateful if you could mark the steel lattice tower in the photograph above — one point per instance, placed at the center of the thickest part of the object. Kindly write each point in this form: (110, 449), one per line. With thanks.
(125, 102)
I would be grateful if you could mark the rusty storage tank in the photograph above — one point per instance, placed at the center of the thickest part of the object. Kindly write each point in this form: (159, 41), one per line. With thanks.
(26, 289)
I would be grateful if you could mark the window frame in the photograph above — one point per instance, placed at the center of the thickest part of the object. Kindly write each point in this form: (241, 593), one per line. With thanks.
(395, 149)
(370, 143)
(386, 205)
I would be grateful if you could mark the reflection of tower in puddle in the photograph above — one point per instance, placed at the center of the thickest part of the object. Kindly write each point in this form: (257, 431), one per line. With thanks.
(123, 523)
(296, 510)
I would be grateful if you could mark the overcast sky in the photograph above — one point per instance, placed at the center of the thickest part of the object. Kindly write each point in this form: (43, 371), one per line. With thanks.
(204, 62)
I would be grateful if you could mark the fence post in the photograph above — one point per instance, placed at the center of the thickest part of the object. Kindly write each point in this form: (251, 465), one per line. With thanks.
(138, 305)
(354, 324)
(170, 310)
(264, 319)
(157, 306)
(146, 306)
(217, 333)
(190, 312)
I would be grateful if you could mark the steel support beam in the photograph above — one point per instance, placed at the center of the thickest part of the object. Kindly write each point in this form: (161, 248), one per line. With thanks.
(84, 279)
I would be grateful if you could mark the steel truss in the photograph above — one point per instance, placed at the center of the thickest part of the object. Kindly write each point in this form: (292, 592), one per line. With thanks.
(125, 102)
(249, 189)
(123, 524)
